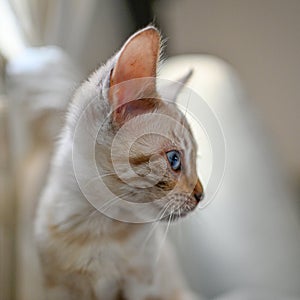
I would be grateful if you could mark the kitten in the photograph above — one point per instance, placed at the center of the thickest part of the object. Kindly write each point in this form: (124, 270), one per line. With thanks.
(126, 158)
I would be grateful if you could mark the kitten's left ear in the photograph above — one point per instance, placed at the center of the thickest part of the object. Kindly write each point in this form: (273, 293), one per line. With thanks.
(170, 92)
(137, 59)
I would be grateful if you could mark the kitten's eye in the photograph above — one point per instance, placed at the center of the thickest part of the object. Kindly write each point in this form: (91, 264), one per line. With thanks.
(174, 160)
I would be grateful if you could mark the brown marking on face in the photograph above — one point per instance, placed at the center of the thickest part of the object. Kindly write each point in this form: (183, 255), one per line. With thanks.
(167, 185)
(138, 160)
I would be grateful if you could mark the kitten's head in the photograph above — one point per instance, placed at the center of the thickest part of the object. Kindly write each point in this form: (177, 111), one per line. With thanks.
(145, 151)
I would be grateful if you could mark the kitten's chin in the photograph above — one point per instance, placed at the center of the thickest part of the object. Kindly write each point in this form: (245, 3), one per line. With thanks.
(173, 217)
(176, 212)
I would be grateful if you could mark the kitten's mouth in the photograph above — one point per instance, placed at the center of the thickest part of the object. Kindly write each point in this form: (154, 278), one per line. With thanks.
(180, 212)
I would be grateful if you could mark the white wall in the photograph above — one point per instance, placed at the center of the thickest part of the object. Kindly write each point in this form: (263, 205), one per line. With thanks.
(261, 39)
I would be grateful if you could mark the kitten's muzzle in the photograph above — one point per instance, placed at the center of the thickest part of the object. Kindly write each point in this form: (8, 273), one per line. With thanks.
(198, 191)
(199, 197)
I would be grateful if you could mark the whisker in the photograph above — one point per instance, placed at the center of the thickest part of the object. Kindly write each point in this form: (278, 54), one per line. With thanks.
(97, 177)
(163, 240)
(164, 209)
(155, 224)
(180, 227)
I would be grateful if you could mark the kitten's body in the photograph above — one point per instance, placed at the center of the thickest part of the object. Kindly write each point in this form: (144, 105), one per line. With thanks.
(85, 254)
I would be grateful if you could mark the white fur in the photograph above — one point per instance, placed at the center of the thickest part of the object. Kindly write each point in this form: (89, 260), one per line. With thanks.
(104, 263)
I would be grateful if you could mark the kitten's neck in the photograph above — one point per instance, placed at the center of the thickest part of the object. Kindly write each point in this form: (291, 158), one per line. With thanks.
(79, 215)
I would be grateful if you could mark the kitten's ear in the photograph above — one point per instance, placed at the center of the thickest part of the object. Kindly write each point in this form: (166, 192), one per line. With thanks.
(170, 92)
(137, 59)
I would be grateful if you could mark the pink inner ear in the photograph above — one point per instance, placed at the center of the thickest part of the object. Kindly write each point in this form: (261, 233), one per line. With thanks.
(138, 59)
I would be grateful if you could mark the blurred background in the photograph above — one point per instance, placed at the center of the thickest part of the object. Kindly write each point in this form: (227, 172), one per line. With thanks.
(255, 45)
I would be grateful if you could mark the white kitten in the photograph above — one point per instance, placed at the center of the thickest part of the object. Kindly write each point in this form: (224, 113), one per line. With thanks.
(126, 158)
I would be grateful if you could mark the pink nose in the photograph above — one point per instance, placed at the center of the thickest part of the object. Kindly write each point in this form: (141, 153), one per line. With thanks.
(198, 191)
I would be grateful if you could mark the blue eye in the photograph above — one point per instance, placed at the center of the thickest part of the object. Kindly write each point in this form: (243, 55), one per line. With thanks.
(174, 160)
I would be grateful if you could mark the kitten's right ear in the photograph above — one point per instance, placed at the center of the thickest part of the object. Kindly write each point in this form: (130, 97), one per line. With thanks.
(135, 73)
(170, 92)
